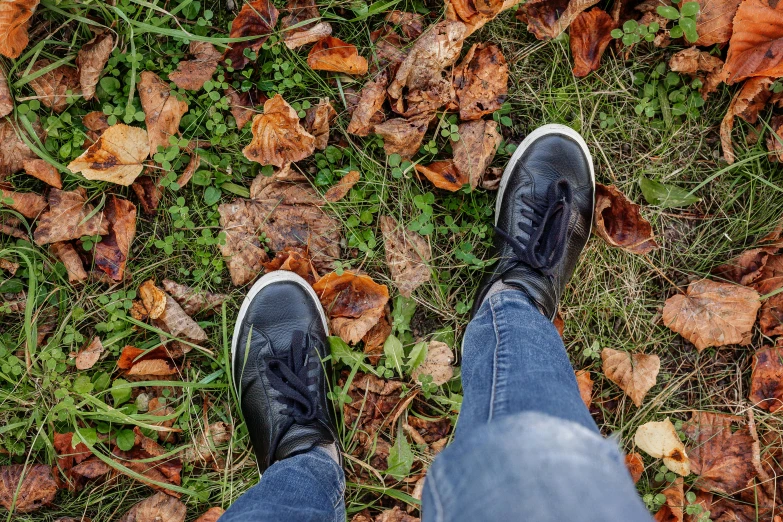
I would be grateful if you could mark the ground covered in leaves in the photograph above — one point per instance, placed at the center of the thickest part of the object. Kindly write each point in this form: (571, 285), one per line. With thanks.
(156, 158)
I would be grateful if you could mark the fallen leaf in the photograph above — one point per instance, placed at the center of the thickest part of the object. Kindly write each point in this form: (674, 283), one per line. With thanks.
(9, 225)
(619, 222)
(6, 100)
(407, 255)
(372, 400)
(476, 13)
(66, 253)
(403, 136)
(14, 22)
(211, 515)
(341, 189)
(52, 88)
(131, 355)
(153, 298)
(714, 23)
(635, 373)
(278, 138)
(354, 303)
(390, 48)
(590, 36)
(180, 325)
(87, 357)
(159, 407)
(395, 515)
(720, 455)
(672, 510)
(585, 384)
(692, 61)
(117, 157)
(753, 48)
(766, 381)
(770, 277)
(13, 150)
(42, 170)
(301, 24)
(660, 441)
(67, 218)
(9, 266)
(475, 149)
(91, 60)
(256, 18)
(713, 314)
(111, 253)
(437, 364)
(559, 324)
(190, 169)
(96, 122)
(444, 175)
(295, 260)
(149, 194)
(153, 367)
(296, 39)
(194, 301)
(191, 75)
(481, 81)
(91, 468)
(317, 121)
(162, 110)
(635, 465)
(771, 316)
(746, 268)
(547, 19)
(243, 104)
(35, 484)
(160, 507)
(206, 443)
(29, 204)
(376, 337)
(368, 111)
(69, 455)
(746, 104)
(288, 184)
(332, 54)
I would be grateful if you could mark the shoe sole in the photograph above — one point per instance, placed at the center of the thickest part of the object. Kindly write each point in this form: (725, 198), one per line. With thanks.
(546, 130)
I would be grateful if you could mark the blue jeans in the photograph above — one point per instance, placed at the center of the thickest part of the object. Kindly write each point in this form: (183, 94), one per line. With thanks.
(525, 448)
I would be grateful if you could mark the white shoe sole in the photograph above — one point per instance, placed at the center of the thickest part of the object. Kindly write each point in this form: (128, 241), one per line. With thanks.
(546, 130)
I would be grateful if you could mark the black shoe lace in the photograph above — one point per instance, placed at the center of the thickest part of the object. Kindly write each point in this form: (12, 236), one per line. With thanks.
(546, 228)
(289, 374)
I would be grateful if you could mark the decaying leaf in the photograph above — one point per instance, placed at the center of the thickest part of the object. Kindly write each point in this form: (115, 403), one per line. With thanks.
(38, 487)
(746, 104)
(692, 61)
(444, 175)
(546, 19)
(153, 299)
(278, 137)
(403, 136)
(149, 194)
(175, 321)
(211, 515)
(91, 60)
(6, 100)
(713, 314)
(475, 149)
(52, 88)
(354, 303)
(376, 337)
(117, 157)
(475, 13)
(766, 381)
(66, 253)
(296, 39)
(341, 189)
(368, 111)
(635, 465)
(372, 400)
(206, 443)
(481, 81)
(660, 441)
(673, 509)
(720, 455)
(332, 54)
(755, 41)
(746, 268)
(634, 374)
(160, 507)
(407, 255)
(585, 384)
(96, 122)
(42, 170)
(193, 74)
(190, 169)
(317, 121)
(9, 266)
(69, 455)
(67, 218)
(714, 23)
(591, 33)
(619, 222)
(13, 150)
(295, 260)
(243, 104)
(14, 22)
(162, 110)
(301, 24)
(437, 364)
(111, 253)
(256, 18)
(29, 204)
(87, 357)
(194, 301)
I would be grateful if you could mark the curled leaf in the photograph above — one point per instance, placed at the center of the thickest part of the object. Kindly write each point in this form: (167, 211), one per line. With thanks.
(444, 175)
(91, 60)
(278, 138)
(546, 19)
(332, 54)
(317, 121)
(117, 157)
(766, 381)
(368, 111)
(111, 253)
(585, 384)
(341, 189)
(746, 104)
(619, 222)
(298, 38)
(635, 465)
(403, 136)
(194, 301)
(660, 441)
(691, 61)
(295, 260)
(354, 303)
(635, 373)
(256, 18)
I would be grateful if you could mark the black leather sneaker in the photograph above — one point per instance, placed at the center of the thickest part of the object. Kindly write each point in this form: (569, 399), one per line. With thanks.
(277, 354)
(543, 216)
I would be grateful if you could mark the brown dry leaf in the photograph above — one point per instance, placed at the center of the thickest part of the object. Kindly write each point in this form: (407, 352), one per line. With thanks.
(206, 443)
(660, 441)
(257, 18)
(766, 381)
(96, 122)
(585, 384)
(29, 204)
(180, 325)
(771, 316)
(66, 253)
(38, 487)
(6, 100)
(147, 458)
(481, 81)
(295, 39)
(243, 104)
(159, 407)
(285, 191)
(149, 194)
(372, 400)
(672, 511)
(590, 36)
(211, 515)
(190, 169)
(244, 255)
(437, 364)
(746, 104)
(130, 355)
(317, 121)
(66, 216)
(91, 60)
(411, 25)
(770, 275)
(369, 111)
(117, 157)
(755, 41)
(619, 222)
(721, 456)
(634, 374)
(153, 367)
(278, 138)
(160, 507)
(341, 189)
(692, 61)
(42, 170)
(304, 15)
(191, 75)
(69, 455)
(475, 149)
(52, 88)
(444, 175)
(476, 13)
(376, 337)
(153, 299)
(746, 268)
(13, 150)
(295, 260)
(714, 23)
(332, 54)
(88, 356)
(635, 465)
(354, 303)
(9, 266)
(162, 110)
(111, 253)
(713, 314)
(395, 515)
(194, 301)
(407, 255)
(401, 136)
(546, 19)
(14, 22)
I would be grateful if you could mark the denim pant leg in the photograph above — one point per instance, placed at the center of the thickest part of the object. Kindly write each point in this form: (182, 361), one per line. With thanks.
(308, 487)
(526, 447)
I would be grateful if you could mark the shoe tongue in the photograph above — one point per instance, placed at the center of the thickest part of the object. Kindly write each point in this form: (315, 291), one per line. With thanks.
(301, 438)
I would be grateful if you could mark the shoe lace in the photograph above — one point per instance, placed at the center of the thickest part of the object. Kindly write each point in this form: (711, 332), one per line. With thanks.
(546, 228)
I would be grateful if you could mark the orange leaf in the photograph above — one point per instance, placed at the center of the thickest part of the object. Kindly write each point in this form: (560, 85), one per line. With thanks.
(42, 170)
(26, 488)
(162, 110)
(65, 252)
(714, 23)
(585, 384)
(755, 41)
(14, 22)
(590, 35)
(619, 222)
(6, 100)
(354, 303)
(256, 18)
(278, 137)
(346, 183)
(635, 465)
(332, 54)
(444, 175)
(746, 104)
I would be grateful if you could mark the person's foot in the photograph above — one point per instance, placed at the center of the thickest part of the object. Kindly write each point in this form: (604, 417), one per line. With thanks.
(543, 216)
(277, 350)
